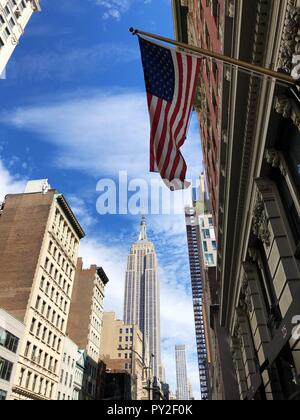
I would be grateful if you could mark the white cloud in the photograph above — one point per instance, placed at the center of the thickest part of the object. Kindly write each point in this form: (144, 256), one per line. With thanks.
(99, 132)
(113, 8)
(9, 184)
(67, 63)
(81, 211)
(116, 8)
(113, 261)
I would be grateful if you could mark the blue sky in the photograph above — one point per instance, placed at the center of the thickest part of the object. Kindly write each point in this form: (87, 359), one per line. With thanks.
(73, 110)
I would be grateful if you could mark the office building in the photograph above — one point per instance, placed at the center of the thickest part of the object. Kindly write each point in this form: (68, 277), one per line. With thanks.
(14, 17)
(181, 374)
(38, 252)
(85, 320)
(11, 333)
(123, 349)
(71, 372)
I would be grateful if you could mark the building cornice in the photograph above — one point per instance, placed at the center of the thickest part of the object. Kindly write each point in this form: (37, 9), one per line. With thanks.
(288, 108)
(290, 42)
(250, 127)
(70, 215)
(36, 5)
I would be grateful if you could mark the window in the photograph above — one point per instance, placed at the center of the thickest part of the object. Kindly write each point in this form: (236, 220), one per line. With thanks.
(38, 301)
(5, 369)
(32, 327)
(206, 233)
(205, 246)
(27, 349)
(51, 390)
(21, 377)
(41, 386)
(35, 378)
(28, 380)
(209, 259)
(8, 340)
(38, 330)
(3, 395)
(33, 354)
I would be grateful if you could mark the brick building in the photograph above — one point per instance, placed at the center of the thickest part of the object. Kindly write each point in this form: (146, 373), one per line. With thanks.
(38, 252)
(85, 321)
(200, 23)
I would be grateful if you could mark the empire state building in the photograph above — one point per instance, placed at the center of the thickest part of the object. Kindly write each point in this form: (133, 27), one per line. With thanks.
(142, 295)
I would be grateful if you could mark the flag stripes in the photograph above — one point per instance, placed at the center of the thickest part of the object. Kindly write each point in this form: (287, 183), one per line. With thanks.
(169, 120)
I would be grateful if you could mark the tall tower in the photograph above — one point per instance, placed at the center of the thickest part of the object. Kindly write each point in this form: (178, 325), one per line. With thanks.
(142, 294)
(181, 374)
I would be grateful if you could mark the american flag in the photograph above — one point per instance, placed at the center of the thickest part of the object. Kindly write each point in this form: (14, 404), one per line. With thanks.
(171, 79)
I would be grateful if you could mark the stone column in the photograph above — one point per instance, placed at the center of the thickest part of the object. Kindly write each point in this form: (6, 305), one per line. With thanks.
(238, 363)
(256, 311)
(270, 226)
(249, 358)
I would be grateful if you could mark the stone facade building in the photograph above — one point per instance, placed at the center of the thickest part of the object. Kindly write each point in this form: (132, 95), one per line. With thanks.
(258, 221)
(38, 252)
(11, 333)
(14, 16)
(123, 349)
(71, 372)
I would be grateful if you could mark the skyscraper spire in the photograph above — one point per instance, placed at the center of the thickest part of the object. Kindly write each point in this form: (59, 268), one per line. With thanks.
(142, 297)
(143, 230)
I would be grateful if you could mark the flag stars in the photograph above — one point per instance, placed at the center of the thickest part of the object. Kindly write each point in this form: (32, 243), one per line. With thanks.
(159, 70)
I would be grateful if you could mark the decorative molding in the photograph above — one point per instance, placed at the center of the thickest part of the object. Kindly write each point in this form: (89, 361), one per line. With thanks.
(230, 8)
(273, 158)
(290, 43)
(245, 302)
(260, 222)
(253, 254)
(288, 109)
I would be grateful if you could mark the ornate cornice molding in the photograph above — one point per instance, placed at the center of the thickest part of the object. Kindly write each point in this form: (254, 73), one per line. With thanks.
(260, 226)
(245, 302)
(288, 109)
(273, 158)
(290, 43)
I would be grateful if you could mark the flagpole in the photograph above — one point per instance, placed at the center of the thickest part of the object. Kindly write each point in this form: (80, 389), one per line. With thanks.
(220, 57)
